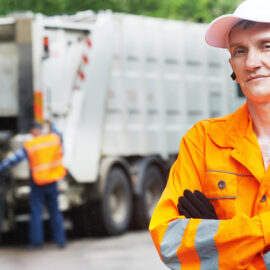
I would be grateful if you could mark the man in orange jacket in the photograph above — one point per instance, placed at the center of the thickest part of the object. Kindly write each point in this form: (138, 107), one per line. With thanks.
(44, 152)
(215, 210)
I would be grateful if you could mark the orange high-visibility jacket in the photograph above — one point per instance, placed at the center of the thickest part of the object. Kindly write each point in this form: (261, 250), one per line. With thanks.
(222, 158)
(45, 158)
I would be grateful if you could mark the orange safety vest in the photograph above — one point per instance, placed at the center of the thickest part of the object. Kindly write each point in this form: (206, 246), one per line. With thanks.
(222, 158)
(45, 158)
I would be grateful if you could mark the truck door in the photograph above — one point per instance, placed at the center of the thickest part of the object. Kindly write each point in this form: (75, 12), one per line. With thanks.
(62, 56)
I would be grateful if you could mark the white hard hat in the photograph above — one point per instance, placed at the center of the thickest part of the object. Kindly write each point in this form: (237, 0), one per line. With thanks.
(252, 10)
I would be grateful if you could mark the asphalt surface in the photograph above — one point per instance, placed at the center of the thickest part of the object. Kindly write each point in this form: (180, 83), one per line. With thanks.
(131, 251)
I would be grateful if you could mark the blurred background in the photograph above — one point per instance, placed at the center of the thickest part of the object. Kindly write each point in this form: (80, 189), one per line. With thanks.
(122, 81)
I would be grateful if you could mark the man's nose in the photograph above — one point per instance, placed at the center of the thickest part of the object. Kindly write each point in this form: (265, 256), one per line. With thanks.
(252, 60)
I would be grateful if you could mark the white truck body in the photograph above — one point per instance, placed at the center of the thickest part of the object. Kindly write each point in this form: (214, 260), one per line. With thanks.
(146, 83)
(115, 85)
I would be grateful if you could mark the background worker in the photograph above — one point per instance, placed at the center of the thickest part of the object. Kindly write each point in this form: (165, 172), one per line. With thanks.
(44, 152)
(215, 210)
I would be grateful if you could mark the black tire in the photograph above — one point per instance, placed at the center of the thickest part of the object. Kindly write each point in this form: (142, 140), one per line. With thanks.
(112, 214)
(145, 203)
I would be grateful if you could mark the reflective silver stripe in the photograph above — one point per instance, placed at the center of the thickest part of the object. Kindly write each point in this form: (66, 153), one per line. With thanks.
(205, 244)
(47, 166)
(243, 175)
(52, 142)
(171, 241)
(266, 258)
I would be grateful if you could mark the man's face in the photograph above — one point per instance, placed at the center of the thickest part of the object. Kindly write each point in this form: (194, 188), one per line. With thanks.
(35, 131)
(250, 60)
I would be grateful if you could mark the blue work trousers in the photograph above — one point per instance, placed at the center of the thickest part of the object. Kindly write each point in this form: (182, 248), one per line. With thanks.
(40, 196)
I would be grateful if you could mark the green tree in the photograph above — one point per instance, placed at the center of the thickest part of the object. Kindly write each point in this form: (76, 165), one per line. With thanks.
(192, 10)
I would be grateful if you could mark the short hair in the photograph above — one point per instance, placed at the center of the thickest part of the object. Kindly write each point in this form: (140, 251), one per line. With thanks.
(244, 24)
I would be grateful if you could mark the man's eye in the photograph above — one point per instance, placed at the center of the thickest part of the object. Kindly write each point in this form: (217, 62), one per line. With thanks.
(238, 51)
(267, 46)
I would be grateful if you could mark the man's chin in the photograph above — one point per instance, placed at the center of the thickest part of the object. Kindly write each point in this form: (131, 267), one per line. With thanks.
(259, 98)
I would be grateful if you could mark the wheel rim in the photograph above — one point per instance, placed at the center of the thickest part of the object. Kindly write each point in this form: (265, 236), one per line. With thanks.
(118, 204)
(153, 193)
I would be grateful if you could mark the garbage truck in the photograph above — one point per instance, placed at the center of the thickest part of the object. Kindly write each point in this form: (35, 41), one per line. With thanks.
(122, 90)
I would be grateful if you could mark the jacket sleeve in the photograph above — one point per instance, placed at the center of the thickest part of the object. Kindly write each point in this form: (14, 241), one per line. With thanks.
(202, 243)
(13, 159)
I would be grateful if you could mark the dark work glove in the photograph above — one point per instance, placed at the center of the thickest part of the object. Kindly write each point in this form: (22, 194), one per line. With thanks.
(195, 205)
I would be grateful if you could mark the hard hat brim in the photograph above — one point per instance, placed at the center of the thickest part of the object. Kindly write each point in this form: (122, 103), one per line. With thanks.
(218, 30)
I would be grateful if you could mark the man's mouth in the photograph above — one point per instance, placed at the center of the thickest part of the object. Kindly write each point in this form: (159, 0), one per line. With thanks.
(255, 77)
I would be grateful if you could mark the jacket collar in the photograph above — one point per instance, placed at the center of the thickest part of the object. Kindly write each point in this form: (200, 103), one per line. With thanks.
(227, 131)
(235, 131)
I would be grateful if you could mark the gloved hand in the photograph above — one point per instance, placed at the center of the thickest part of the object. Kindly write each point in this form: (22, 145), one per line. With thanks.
(195, 205)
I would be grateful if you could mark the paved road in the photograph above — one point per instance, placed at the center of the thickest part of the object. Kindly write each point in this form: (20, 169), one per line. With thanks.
(132, 251)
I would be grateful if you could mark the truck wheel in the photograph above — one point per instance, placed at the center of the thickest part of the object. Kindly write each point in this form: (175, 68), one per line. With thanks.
(145, 203)
(115, 207)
